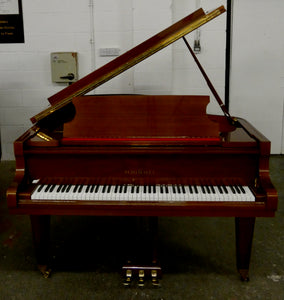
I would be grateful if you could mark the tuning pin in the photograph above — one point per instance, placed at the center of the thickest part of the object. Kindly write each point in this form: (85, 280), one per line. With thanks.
(128, 278)
(141, 280)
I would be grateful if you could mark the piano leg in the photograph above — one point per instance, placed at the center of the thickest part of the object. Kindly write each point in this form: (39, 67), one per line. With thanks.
(244, 236)
(40, 230)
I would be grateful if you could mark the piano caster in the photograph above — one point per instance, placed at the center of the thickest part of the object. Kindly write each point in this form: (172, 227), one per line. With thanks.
(244, 275)
(44, 270)
(142, 272)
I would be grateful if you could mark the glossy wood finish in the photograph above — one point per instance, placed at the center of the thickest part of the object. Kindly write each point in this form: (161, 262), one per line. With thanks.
(135, 139)
(140, 120)
(241, 156)
(244, 237)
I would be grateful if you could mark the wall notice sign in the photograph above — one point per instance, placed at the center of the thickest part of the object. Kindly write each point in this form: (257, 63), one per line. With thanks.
(11, 21)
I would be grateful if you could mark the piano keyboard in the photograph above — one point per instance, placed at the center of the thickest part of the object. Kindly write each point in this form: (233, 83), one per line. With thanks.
(151, 193)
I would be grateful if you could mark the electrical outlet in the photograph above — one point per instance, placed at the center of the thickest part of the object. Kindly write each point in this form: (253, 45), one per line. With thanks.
(109, 51)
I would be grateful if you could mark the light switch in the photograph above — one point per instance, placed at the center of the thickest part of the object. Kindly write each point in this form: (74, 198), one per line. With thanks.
(64, 66)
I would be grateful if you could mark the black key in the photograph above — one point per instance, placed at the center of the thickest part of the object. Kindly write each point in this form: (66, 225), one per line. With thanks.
(125, 189)
(75, 188)
(137, 189)
(80, 188)
(97, 188)
(120, 189)
(149, 189)
(242, 189)
(116, 189)
(154, 189)
(207, 189)
(167, 189)
(47, 188)
(52, 188)
(183, 189)
(132, 189)
(59, 188)
(40, 187)
(232, 189)
(108, 189)
(144, 189)
(225, 189)
(237, 189)
(190, 189)
(195, 189)
(178, 189)
(161, 189)
(220, 189)
(212, 189)
(92, 188)
(68, 188)
(174, 189)
(63, 188)
(88, 188)
(104, 189)
(203, 189)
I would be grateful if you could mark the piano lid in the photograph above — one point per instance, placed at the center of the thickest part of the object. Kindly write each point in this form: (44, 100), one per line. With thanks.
(128, 59)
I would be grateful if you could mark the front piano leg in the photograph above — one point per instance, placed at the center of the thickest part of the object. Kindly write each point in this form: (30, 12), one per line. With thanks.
(244, 237)
(40, 230)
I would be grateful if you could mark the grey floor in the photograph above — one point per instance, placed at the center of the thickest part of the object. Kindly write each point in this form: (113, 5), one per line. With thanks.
(197, 256)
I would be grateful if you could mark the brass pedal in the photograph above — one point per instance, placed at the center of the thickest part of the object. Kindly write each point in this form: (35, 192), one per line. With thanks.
(155, 278)
(141, 273)
(128, 278)
(141, 276)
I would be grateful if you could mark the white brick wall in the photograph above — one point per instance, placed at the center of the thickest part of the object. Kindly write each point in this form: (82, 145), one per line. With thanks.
(50, 26)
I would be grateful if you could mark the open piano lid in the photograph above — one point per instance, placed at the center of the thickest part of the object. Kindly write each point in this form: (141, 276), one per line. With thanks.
(128, 59)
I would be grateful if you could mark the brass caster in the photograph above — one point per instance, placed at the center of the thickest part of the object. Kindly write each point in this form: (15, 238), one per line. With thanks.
(244, 275)
(44, 270)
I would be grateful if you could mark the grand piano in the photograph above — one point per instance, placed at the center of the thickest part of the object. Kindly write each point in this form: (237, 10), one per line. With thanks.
(141, 156)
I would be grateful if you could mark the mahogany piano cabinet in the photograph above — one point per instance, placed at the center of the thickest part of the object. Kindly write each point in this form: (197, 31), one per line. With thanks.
(141, 155)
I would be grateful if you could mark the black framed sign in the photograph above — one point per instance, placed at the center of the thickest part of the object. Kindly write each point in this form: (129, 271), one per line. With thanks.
(11, 21)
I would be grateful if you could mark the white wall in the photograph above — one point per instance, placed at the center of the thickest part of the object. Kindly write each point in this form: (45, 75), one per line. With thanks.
(67, 25)
(257, 85)
(25, 80)
(187, 79)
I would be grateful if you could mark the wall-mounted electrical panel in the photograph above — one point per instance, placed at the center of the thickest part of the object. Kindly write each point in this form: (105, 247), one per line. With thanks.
(64, 66)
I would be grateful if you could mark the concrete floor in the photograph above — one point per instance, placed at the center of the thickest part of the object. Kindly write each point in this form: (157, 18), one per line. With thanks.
(197, 256)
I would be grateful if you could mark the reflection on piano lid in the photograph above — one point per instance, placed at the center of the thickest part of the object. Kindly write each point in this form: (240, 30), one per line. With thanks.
(128, 59)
